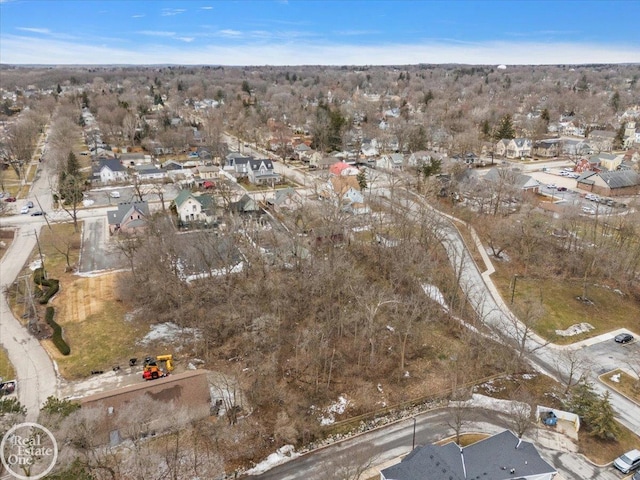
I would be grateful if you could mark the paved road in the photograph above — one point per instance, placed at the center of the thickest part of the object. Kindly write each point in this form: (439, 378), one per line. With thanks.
(98, 253)
(388, 443)
(34, 369)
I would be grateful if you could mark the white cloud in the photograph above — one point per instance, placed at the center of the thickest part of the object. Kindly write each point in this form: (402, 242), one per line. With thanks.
(44, 31)
(169, 12)
(206, 8)
(186, 39)
(17, 49)
(137, 16)
(156, 33)
(230, 33)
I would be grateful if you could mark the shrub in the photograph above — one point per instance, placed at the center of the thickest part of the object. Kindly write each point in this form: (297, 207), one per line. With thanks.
(52, 285)
(58, 341)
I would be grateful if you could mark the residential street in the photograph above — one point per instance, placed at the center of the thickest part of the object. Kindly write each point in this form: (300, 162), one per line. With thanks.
(390, 442)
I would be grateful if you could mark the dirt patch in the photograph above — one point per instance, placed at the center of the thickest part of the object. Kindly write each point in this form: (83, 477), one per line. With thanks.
(80, 298)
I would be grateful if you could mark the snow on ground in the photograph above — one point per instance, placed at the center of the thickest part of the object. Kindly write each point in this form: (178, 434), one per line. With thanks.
(328, 416)
(435, 294)
(576, 329)
(282, 455)
(169, 331)
(615, 378)
(495, 404)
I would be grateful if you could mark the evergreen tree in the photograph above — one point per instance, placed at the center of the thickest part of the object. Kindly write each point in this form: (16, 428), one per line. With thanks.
(431, 168)
(362, 180)
(615, 101)
(545, 116)
(618, 141)
(505, 128)
(601, 420)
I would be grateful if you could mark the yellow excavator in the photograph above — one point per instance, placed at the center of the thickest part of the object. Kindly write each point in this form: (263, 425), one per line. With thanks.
(152, 370)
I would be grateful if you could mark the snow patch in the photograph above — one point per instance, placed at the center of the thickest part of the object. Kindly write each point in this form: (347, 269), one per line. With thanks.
(282, 455)
(169, 331)
(435, 294)
(576, 329)
(337, 408)
(495, 404)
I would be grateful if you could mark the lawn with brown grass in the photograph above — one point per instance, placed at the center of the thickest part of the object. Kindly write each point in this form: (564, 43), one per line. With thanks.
(608, 311)
(626, 385)
(7, 371)
(94, 326)
(602, 452)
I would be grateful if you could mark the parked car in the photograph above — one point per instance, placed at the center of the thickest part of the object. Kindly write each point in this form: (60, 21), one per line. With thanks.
(37, 213)
(624, 338)
(628, 462)
(552, 186)
(592, 197)
(24, 210)
(636, 476)
(115, 194)
(10, 199)
(588, 210)
(562, 189)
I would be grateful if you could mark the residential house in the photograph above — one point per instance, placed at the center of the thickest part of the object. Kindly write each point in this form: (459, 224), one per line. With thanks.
(343, 169)
(500, 457)
(172, 165)
(111, 170)
(286, 199)
(150, 172)
(262, 172)
(422, 157)
(208, 172)
(394, 161)
(369, 148)
(128, 218)
(345, 190)
(131, 159)
(608, 161)
(321, 162)
(245, 205)
(514, 148)
(194, 208)
(549, 148)
(610, 184)
(629, 134)
(238, 164)
(602, 140)
(573, 147)
(302, 151)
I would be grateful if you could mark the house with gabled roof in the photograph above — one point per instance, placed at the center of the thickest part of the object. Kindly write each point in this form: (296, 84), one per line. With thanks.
(547, 148)
(394, 161)
(286, 199)
(525, 183)
(513, 147)
(500, 457)
(194, 208)
(130, 217)
(110, 170)
(262, 172)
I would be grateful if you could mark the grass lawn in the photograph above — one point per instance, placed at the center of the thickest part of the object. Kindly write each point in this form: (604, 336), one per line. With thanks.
(6, 369)
(92, 319)
(609, 310)
(466, 439)
(627, 385)
(602, 452)
(94, 326)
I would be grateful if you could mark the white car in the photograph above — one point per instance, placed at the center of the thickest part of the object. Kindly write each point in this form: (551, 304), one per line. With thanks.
(114, 194)
(588, 210)
(552, 186)
(628, 462)
(24, 210)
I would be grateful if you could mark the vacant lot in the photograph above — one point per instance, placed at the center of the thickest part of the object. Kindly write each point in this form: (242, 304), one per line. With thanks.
(607, 311)
(6, 369)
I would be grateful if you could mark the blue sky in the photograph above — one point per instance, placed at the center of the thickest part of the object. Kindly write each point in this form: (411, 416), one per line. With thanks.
(297, 32)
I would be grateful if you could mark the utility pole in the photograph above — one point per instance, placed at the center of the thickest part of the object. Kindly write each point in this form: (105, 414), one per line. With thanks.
(44, 272)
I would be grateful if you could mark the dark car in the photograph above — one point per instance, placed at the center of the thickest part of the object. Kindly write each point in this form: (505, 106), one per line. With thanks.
(29, 204)
(37, 213)
(562, 189)
(624, 338)
(10, 199)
